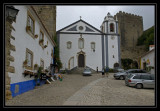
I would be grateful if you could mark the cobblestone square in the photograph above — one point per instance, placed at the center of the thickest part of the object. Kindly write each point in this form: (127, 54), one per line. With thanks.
(78, 90)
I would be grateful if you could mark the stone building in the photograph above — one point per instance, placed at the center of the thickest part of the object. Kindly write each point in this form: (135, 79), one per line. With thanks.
(130, 28)
(28, 43)
(47, 13)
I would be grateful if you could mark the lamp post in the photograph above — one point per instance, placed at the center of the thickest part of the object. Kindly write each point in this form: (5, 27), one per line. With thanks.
(10, 13)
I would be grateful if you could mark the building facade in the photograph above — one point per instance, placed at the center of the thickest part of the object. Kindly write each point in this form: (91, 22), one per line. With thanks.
(33, 46)
(82, 45)
(110, 42)
(147, 60)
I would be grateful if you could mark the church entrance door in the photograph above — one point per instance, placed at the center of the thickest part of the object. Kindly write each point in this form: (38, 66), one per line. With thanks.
(81, 60)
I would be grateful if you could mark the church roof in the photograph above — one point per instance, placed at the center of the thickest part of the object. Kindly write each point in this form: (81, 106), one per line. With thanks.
(88, 27)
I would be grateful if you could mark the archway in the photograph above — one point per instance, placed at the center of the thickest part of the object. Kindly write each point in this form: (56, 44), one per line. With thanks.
(71, 63)
(116, 65)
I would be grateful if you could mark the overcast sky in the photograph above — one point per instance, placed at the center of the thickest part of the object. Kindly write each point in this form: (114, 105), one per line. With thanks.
(94, 15)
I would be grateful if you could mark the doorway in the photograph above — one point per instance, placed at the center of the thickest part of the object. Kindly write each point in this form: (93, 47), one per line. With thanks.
(71, 63)
(81, 60)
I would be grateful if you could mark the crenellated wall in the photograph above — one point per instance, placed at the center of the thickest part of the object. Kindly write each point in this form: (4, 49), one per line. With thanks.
(130, 28)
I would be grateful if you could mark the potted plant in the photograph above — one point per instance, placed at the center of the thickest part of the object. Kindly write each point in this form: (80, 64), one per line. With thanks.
(41, 41)
(28, 28)
(25, 63)
(36, 66)
(36, 36)
(45, 46)
(37, 76)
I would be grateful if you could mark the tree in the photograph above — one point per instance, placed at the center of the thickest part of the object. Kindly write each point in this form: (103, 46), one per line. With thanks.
(56, 54)
(147, 38)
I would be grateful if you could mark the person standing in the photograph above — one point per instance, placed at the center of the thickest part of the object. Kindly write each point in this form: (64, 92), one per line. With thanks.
(107, 71)
(97, 69)
(103, 72)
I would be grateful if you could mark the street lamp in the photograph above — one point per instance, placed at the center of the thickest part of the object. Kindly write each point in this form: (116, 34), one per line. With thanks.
(11, 13)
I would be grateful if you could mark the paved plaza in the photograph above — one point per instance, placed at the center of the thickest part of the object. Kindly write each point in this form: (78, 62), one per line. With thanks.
(78, 90)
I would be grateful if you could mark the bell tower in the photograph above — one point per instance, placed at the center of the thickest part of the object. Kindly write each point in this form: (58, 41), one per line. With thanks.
(110, 42)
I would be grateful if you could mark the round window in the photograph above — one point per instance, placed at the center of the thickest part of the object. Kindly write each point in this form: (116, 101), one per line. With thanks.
(80, 27)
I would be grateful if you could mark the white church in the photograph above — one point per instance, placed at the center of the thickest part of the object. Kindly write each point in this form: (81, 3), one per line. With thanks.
(83, 45)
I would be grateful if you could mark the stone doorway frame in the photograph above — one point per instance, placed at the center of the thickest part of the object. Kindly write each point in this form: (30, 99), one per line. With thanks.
(83, 53)
(69, 62)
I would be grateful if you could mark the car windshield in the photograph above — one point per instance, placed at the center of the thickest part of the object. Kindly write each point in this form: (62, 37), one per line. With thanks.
(123, 71)
(87, 70)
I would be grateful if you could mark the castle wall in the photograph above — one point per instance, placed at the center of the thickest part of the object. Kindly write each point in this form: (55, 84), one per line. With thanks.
(47, 13)
(130, 28)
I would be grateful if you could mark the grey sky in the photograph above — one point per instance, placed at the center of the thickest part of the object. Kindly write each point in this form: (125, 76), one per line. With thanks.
(94, 15)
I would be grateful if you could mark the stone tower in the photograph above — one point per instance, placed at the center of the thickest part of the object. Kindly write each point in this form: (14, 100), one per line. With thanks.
(130, 28)
(47, 14)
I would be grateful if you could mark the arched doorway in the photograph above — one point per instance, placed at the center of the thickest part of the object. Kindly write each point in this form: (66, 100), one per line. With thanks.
(81, 60)
(71, 63)
(116, 65)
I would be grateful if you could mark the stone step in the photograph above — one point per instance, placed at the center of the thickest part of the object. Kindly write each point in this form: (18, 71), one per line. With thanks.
(79, 70)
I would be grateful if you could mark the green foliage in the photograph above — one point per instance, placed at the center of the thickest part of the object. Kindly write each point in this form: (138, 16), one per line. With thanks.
(148, 68)
(38, 74)
(56, 54)
(147, 38)
(126, 63)
(111, 70)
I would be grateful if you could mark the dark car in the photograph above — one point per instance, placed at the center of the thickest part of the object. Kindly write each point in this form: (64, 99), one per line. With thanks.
(123, 74)
(87, 72)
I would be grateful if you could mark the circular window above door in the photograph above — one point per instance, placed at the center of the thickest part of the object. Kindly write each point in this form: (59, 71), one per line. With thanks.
(80, 27)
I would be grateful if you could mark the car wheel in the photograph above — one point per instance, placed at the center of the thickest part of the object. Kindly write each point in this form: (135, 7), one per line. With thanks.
(121, 77)
(139, 86)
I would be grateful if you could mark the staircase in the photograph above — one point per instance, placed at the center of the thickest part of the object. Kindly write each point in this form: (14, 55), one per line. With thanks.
(79, 70)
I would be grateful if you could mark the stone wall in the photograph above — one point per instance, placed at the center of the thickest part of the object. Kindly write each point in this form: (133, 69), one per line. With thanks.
(130, 28)
(8, 58)
(47, 14)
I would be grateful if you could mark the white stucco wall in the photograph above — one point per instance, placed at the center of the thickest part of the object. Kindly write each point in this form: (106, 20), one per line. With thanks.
(93, 59)
(151, 57)
(23, 40)
(112, 51)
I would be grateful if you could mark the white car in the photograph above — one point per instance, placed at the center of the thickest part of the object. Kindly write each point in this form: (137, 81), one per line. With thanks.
(87, 72)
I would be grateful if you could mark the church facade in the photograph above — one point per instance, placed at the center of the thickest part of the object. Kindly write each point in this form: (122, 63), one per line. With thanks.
(83, 45)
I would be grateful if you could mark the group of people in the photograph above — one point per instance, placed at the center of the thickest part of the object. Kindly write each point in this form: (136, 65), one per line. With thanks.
(105, 71)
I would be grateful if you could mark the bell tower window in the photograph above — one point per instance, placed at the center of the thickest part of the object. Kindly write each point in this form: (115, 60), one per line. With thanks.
(111, 27)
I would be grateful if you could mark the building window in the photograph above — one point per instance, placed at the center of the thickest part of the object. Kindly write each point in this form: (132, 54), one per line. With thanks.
(112, 46)
(81, 43)
(111, 27)
(93, 45)
(41, 38)
(30, 23)
(42, 63)
(29, 58)
(113, 56)
(80, 27)
(69, 44)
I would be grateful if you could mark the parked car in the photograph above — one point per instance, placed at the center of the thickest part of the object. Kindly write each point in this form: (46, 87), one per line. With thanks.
(118, 69)
(143, 80)
(123, 74)
(87, 72)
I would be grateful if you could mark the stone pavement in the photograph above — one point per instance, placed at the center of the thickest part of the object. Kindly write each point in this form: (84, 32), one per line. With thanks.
(89, 91)
(78, 90)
